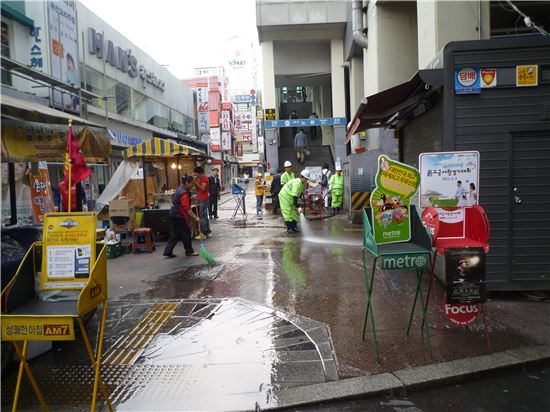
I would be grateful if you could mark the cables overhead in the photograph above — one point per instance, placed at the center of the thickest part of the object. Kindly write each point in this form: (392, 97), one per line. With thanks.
(526, 19)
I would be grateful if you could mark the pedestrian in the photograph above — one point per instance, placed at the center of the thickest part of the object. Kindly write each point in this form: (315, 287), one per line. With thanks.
(289, 198)
(301, 145)
(201, 183)
(275, 188)
(259, 189)
(288, 174)
(313, 129)
(214, 191)
(325, 176)
(180, 219)
(293, 116)
(336, 185)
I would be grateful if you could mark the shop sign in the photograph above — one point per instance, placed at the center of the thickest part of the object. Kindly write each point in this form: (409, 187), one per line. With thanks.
(405, 261)
(465, 275)
(226, 121)
(202, 99)
(37, 328)
(120, 58)
(69, 245)
(41, 193)
(239, 147)
(467, 80)
(124, 139)
(227, 106)
(449, 179)
(246, 137)
(36, 59)
(269, 114)
(204, 123)
(488, 78)
(396, 183)
(64, 57)
(527, 75)
(242, 98)
(460, 314)
(329, 121)
(215, 142)
(226, 141)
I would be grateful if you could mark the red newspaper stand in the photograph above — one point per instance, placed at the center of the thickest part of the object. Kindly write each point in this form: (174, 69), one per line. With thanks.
(469, 228)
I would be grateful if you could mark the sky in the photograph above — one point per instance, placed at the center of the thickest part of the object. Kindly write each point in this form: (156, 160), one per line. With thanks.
(181, 34)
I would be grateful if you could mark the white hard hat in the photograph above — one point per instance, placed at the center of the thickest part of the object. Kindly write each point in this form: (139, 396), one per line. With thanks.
(338, 167)
(305, 173)
(259, 174)
(288, 164)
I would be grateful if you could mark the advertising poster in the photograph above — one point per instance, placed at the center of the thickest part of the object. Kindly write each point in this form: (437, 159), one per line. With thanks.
(488, 78)
(64, 50)
(41, 193)
(465, 275)
(69, 242)
(396, 183)
(215, 140)
(527, 75)
(449, 179)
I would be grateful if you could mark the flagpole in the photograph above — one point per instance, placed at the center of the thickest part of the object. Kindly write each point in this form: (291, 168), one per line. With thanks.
(70, 160)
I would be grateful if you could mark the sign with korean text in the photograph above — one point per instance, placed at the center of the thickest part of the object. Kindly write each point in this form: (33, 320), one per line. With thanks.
(467, 80)
(64, 57)
(36, 58)
(239, 147)
(465, 275)
(242, 98)
(225, 120)
(37, 328)
(202, 99)
(215, 140)
(226, 141)
(488, 78)
(270, 114)
(41, 193)
(527, 75)
(204, 122)
(396, 183)
(449, 179)
(69, 250)
(329, 121)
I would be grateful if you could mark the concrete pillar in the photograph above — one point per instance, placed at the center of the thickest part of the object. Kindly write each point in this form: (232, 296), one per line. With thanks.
(337, 78)
(269, 92)
(440, 22)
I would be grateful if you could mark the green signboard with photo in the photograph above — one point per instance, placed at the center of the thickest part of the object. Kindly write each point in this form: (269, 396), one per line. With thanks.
(396, 183)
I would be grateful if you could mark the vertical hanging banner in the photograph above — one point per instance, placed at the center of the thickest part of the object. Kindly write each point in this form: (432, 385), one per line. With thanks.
(41, 193)
(215, 140)
(64, 50)
(396, 183)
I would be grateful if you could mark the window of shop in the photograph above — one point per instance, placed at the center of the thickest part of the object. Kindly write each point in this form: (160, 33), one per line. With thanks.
(93, 82)
(150, 111)
(6, 76)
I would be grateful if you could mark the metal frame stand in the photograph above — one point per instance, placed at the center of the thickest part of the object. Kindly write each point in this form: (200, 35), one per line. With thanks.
(240, 205)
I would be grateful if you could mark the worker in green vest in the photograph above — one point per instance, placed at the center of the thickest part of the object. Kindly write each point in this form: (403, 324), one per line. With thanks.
(336, 185)
(288, 174)
(289, 199)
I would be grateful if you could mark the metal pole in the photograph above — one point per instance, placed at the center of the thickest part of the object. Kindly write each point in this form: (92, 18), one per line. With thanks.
(144, 180)
(13, 205)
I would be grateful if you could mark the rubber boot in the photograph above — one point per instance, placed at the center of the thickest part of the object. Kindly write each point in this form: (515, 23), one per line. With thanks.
(289, 227)
(295, 227)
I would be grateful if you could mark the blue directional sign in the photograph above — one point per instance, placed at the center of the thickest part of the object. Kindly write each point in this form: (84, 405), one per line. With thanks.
(329, 121)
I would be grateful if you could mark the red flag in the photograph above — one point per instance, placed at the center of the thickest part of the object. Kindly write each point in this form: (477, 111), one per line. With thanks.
(79, 169)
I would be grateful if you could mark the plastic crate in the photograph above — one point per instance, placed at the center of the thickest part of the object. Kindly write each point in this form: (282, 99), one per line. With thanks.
(114, 250)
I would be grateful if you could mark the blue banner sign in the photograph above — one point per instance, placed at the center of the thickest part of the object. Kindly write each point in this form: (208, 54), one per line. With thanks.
(242, 98)
(329, 121)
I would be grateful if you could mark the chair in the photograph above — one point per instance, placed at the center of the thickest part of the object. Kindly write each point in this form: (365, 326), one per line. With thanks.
(143, 240)
(26, 318)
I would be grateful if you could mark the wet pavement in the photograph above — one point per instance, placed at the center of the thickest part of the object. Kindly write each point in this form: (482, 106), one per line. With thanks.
(315, 276)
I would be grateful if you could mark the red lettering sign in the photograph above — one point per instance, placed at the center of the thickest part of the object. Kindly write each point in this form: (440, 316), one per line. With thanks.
(460, 314)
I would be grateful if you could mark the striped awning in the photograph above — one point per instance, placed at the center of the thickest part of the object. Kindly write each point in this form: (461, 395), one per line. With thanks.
(157, 147)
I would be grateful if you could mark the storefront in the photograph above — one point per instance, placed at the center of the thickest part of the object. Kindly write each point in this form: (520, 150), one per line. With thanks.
(491, 96)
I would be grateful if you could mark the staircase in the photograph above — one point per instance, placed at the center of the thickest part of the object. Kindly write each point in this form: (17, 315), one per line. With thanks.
(318, 156)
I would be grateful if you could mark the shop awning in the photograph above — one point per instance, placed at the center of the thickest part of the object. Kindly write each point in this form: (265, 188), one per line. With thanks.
(35, 112)
(157, 147)
(376, 110)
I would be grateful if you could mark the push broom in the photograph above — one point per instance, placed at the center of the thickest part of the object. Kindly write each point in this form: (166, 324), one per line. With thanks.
(204, 253)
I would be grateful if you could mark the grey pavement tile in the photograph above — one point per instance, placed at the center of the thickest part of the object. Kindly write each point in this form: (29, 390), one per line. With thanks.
(422, 376)
(298, 372)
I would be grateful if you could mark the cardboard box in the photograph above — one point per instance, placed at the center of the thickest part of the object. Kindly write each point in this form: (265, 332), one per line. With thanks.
(122, 215)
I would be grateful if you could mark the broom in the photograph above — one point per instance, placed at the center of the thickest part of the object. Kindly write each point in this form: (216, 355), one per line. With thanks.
(204, 253)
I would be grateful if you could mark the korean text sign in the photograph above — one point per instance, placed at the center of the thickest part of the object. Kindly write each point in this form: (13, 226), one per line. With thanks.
(449, 179)
(69, 250)
(396, 183)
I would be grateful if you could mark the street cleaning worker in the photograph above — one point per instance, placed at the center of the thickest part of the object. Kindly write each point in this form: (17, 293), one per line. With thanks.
(336, 185)
(259, 189)
(288, 175)
(289, 199)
